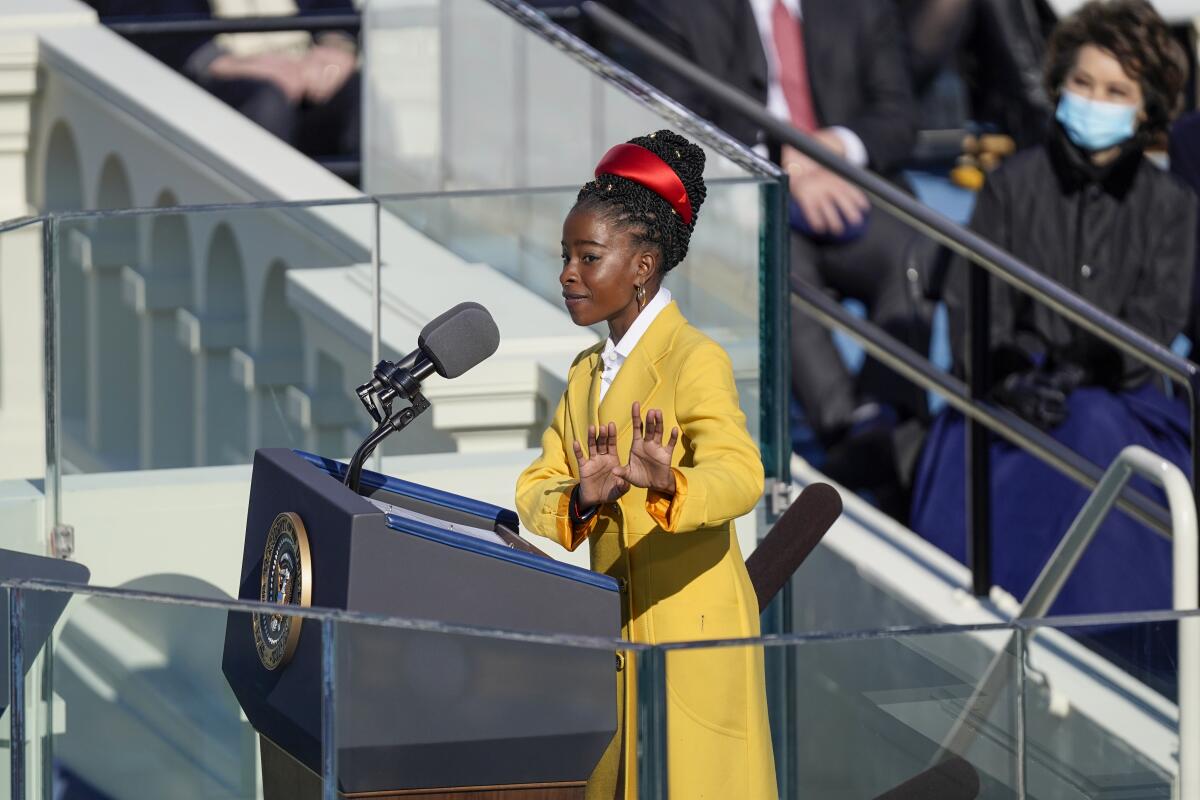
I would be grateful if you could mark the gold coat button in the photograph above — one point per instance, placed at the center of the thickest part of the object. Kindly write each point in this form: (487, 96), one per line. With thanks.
(620, 661)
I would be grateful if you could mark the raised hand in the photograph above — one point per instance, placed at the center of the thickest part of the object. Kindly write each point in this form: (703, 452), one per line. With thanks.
(649, 459)
(598, 478)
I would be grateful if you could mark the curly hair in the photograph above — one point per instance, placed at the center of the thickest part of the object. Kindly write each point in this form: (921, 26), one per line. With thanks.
(1133, 33)
(644, 213)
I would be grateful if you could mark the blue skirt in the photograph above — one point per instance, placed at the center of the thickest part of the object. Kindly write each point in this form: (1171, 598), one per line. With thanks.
(1127, 567)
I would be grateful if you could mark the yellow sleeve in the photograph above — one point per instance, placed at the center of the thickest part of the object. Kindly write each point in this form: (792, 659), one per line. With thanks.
(720, 476)
(544, 489)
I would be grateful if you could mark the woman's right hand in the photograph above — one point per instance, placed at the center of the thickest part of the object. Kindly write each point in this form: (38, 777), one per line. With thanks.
(597, 483)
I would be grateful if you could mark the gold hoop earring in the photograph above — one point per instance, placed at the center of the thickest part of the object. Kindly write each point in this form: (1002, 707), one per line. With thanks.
(641, 297)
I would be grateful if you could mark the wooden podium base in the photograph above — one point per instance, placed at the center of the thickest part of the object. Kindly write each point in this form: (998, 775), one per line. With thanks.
(285, 778)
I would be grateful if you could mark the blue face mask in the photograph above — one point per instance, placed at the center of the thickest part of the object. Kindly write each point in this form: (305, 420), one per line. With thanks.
(1094, 125)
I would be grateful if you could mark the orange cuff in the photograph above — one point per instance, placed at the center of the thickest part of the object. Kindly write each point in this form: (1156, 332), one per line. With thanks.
(570, 536)
(665, 508)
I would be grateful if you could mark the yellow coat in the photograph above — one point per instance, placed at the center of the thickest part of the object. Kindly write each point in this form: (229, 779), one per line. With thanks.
(677, 560)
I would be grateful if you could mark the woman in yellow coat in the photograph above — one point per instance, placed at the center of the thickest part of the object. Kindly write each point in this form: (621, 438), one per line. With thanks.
(658, 509)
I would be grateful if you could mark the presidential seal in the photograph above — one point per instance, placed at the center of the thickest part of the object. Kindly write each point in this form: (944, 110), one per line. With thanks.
(286, 581)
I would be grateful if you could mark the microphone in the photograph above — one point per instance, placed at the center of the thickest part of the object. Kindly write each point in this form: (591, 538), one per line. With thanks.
(450, 344)
(953, 779)
(791, 539)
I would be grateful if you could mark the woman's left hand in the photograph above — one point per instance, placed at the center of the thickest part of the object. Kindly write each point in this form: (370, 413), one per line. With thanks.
(649, 459)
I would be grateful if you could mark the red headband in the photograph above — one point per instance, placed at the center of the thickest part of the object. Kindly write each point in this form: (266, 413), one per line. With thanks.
(642, 166)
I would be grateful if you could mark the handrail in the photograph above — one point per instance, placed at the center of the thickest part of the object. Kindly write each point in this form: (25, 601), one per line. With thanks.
(187, 24)
(982, 253)
(896, 355)
(1054, 575)
(312, 22)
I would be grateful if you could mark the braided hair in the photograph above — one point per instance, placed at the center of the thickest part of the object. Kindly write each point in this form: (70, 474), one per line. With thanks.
(642, 212)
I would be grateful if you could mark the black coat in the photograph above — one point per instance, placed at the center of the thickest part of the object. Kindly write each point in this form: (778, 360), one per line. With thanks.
(1123, 238)
(855, 50)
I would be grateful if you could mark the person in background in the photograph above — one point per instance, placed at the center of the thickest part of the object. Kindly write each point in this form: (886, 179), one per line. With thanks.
(838, 70)
(303, 88)
(1090, 211)
(1184, 154)
(997, 47)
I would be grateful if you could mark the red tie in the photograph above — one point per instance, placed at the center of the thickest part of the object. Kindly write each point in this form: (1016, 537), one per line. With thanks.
(793, 69)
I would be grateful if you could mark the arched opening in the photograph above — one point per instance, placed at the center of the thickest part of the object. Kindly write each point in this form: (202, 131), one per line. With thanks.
(279, 361)
(224, 320)
(113, 344)
(168, 371)
(62, 190)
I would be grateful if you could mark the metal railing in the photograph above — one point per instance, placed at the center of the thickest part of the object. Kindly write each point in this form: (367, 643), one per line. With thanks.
(969, 397)
(1054, 575)
(190, 24)
(312, 22)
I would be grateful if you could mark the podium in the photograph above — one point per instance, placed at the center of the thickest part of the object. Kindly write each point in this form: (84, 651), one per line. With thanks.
(418, 713)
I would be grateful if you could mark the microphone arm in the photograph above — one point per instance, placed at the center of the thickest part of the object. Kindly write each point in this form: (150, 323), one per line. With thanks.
(389, 381)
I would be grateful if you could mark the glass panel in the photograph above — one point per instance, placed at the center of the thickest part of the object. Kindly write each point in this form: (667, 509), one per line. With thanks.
(429, 709)
(196, 337)
(465, 94)
(140, 703)
(1105, 728)
(873, 713)
(22, 386)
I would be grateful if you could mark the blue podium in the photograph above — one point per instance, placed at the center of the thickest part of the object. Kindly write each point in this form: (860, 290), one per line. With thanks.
(418, 712)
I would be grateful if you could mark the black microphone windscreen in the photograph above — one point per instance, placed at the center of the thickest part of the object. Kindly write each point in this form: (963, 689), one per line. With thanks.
(953, 779)
(791, 539)
(459, 339)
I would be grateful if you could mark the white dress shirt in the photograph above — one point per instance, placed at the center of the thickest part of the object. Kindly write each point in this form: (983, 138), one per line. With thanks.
(856, 151)
(614, 355)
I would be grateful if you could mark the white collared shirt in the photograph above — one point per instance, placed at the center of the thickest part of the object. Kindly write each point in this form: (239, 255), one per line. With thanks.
(614, 355)
(856, 151)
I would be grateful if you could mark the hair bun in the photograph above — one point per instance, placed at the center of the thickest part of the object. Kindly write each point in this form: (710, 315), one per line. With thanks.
(682, 156)
(647, 214)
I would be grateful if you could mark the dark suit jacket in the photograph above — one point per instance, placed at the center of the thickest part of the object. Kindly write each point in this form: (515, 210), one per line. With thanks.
(1185, 162)
(857, 66)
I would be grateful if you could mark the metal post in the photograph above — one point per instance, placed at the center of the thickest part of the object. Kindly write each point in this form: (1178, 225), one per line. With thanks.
(58, 542)
(1019, 649)
(775, 435)
(1193, 390)
(16, 696)
(979, 477)
(652, 724)
(329, 775)
(376, 303)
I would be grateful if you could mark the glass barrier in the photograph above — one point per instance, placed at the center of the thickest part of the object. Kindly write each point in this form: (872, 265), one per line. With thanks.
(23, 385)
(152, 693)
(994, 711)
(472, 94)
(189, 338)
(1140, 740)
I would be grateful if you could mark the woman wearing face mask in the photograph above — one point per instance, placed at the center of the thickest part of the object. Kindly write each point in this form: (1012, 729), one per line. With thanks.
(1089, 210)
